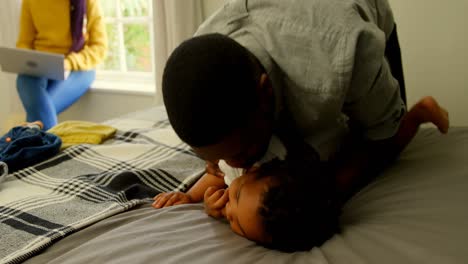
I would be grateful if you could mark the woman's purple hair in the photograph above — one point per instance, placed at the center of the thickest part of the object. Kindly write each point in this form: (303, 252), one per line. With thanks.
(77, 15)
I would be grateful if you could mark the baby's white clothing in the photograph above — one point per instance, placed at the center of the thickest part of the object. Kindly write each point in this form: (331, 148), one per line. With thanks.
(276, 149)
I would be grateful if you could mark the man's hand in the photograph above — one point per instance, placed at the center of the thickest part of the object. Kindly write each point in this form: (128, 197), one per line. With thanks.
(215, 201)
(170, 199)
(213, 169)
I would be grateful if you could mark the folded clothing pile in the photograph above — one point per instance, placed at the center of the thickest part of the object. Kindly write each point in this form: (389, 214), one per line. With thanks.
(24, 146)
(81, 132)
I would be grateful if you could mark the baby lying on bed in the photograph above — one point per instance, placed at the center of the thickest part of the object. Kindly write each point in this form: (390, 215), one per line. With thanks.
(259, 202)
(291, 204)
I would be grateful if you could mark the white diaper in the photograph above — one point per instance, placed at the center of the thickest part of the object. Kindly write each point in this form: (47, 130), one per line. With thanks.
(276, 149)
(230, 173)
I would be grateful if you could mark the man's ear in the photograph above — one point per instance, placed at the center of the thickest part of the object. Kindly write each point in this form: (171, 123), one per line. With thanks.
(265, 84)
(265, 92)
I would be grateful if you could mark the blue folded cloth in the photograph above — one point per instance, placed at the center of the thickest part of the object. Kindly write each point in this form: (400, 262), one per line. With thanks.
(24, 146)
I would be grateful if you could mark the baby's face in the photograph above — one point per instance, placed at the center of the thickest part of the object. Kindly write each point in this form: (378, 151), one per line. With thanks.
(245, 196)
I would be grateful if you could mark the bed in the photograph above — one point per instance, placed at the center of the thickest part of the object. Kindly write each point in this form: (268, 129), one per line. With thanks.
(91, 204)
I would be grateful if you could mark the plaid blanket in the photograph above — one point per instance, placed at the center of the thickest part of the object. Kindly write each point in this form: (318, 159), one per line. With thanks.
(87, 183)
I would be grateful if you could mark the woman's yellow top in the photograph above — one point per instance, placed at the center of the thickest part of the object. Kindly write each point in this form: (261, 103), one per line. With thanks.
(45, 26)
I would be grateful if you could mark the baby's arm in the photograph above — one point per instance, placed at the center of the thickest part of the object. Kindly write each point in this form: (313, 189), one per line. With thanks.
(194, 194)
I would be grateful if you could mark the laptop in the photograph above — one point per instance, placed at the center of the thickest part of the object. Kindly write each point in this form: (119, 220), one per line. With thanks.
(32, 62)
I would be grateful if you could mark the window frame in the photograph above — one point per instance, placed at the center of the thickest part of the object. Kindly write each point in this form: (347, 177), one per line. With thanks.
(140, 82)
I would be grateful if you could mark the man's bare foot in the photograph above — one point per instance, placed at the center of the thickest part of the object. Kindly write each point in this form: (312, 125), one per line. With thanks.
(430, 111)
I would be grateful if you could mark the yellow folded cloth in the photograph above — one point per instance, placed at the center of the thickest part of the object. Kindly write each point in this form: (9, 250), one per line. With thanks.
(81, 132)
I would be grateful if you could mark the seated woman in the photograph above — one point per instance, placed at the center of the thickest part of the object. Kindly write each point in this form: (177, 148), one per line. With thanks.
(74, 28)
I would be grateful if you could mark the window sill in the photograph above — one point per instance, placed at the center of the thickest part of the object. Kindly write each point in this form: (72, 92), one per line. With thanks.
(124, 87)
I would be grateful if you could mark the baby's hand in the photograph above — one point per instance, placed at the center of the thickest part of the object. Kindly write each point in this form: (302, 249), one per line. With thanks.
(215, 201)
(170, 199)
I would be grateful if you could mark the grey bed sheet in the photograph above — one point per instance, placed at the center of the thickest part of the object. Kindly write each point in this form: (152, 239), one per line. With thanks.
(416, 212)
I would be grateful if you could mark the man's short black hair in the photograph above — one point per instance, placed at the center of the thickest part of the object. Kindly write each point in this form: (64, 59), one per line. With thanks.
(299, 209)
(209, 88)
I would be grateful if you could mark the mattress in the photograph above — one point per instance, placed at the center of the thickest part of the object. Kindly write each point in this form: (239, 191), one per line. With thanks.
(414, 212)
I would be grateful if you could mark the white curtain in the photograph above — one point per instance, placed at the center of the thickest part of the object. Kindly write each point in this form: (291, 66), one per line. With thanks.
(10, 106)
(174, 22)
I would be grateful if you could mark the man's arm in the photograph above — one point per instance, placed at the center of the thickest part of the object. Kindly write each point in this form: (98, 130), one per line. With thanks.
(362, 160)
(373, 103)
(359, 162)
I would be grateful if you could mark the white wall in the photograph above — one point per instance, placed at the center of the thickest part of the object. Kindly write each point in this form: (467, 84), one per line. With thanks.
(98, 106)
(434, 40)
(9, 14)
(210, 6)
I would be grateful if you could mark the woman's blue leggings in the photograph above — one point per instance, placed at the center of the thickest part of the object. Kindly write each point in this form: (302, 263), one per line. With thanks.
(44, 99)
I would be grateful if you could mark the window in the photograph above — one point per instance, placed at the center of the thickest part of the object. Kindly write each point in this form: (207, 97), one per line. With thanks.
(130, 60)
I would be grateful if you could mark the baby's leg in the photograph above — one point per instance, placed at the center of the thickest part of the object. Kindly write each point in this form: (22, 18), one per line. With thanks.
(428, 110)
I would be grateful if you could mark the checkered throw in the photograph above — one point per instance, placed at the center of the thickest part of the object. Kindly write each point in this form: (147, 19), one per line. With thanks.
(87, 183)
